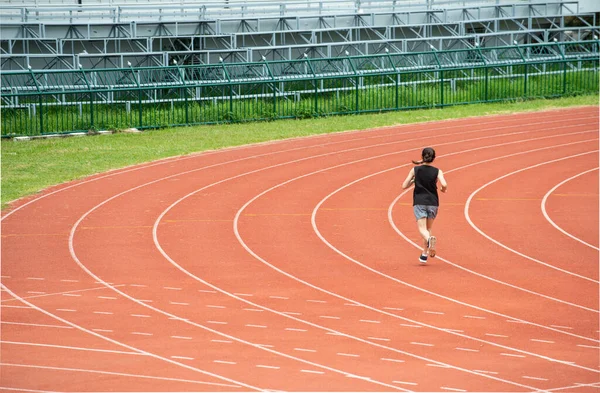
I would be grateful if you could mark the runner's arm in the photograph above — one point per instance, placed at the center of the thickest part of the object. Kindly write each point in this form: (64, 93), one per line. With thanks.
(410, 179)
(442, 181)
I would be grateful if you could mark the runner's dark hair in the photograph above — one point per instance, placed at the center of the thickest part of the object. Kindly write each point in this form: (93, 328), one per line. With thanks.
(427, 155)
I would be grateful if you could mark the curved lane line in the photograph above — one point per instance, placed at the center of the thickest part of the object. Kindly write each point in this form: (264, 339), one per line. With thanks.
(552, 222)
(116, 374)
(125, 345)
(186, 172)
(466, 211)
(167, 160)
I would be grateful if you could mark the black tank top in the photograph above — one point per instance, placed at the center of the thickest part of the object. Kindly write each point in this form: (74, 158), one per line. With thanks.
(425, 192)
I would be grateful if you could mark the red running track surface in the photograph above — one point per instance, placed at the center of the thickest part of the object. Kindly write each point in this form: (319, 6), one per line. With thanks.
(293, 265)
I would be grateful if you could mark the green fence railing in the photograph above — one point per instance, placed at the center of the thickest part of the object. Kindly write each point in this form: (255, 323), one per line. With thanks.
(38, 102)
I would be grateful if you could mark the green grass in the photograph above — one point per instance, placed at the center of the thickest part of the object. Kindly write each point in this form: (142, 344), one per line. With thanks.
(30, 166)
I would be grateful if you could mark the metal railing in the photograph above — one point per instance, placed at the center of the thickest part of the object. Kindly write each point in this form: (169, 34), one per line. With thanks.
(37, 102)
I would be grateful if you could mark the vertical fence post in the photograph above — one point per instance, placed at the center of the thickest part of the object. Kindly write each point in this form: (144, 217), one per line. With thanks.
(40, 101)
(564, 62)
(486, 80)
(356, 83)
(315, 82)
(139, 89)
(181, 74)
(91, 91)
(437, 60)
(274, 84)
(525, 70)
(230, 88)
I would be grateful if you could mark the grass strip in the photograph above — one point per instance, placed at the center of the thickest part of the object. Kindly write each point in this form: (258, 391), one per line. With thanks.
(31, 166)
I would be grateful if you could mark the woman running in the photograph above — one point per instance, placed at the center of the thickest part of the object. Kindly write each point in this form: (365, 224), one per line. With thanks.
(425, 198)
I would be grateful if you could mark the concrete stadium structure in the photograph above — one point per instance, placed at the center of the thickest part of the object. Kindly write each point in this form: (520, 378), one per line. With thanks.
(91, 34)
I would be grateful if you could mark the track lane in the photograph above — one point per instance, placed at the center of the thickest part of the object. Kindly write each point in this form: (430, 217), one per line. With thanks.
(101, 189)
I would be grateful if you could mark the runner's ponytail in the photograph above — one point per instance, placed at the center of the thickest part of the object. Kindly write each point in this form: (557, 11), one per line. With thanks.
(427, 155)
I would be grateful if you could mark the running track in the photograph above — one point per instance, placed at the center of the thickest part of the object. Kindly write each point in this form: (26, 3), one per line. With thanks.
(293, 265)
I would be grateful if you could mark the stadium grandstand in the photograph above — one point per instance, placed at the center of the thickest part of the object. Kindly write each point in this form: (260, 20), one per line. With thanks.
(84, 53)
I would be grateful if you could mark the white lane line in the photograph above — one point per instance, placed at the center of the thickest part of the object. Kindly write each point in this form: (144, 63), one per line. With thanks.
(467, 349)
(217, 322)
(545, 213)
(439, 365)
(140, 315)
(378, 338)
(107, 297)
(485, 372)
(10, 306)
(265, 345)
(296, 330)
(561, 327)
(279, 297)
(411, 326)
(254, 309)
(305, 350)
(512, 354)
(434, 312)
(36, 278)
(206, 291)
(514, 321)
(535, 378)
(172, 288)
(214, 306)
(257, 326)
(316, 301)
(66, 309)
(43, 294)
(496, 335)
(138, 285)
(453, 330)
(235, 227)
(69, 280)
(142, 333)
(221, 341)
(119, 374)
(269, 367)
(223, 362)
(181, 337)
(472, 224)
(182, 357)
(115, 289)
(348, 354)
(144, 300)
(393, 308)
(103, 312)
(369, 321)
(312, 371)
(328, 317)
(542, 341)
(423, 344)
(405, 383)
(179, 303)
(72, 348)
(452, 389)
(36, 292)
(71, 294)
(587, 346)
(473, 317)
(243, 294)
(291, 313)
(103, 331)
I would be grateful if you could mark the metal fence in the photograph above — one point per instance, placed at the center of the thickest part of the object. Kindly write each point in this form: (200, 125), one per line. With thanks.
(66, 101)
